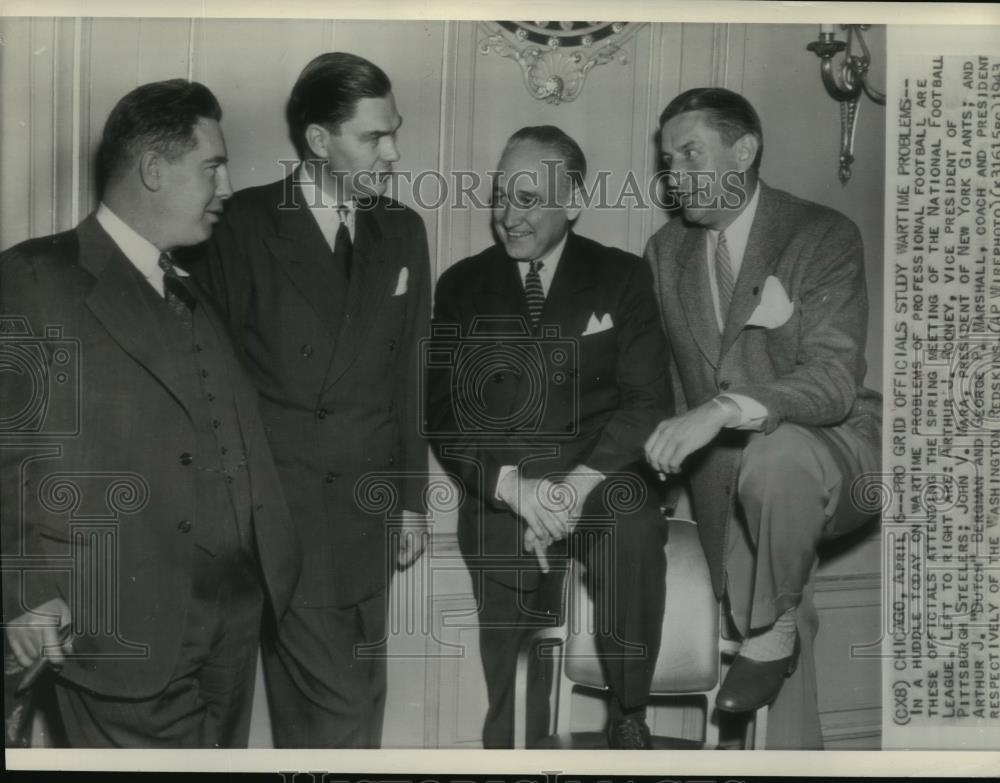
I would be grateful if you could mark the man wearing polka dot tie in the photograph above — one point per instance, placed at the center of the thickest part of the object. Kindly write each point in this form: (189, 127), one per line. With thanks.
(763, 298)
(568, 423)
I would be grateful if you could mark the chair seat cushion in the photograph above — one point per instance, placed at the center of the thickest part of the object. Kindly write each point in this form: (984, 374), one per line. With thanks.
(689, 652)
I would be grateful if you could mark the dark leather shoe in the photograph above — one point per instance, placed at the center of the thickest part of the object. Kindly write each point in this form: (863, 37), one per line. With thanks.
(629, 734)
(750, 685)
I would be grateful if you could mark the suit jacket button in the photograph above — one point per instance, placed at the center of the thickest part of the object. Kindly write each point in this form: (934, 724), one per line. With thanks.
(186, 458)
(723, 385)
(330, 477)
(321, 413)
(307, 350)
(184, 526)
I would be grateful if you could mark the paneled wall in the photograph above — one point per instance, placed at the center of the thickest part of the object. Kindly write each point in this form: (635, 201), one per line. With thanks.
(60, 77)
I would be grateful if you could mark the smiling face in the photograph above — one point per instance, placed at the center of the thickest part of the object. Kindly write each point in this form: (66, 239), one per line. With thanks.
(712, 179)
(192, 189)
(531, 201)
(359, 154)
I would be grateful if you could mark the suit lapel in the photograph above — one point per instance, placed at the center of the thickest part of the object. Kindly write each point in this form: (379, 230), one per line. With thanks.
(501, 292)
(567, 304)
(121, 302)
(369, 288)
(305, 256)
(696, 295)
(758, 263)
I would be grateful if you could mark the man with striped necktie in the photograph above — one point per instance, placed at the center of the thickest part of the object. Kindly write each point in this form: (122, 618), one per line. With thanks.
(557, 376)
(763, 298)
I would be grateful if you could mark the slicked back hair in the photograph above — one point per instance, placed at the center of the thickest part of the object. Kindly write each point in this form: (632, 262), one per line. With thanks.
(560, 142)
(327, 93)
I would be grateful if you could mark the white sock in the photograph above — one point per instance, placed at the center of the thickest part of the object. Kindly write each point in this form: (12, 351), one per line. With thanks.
(773, 643)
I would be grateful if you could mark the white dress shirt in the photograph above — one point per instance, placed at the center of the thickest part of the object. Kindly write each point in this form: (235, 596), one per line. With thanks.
(142, 253)
(549, 263)
(324, 208)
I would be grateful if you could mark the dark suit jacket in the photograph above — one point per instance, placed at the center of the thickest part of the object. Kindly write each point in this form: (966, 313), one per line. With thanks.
(808, 370)
(548, 402)
(338, 396)
(116, 427)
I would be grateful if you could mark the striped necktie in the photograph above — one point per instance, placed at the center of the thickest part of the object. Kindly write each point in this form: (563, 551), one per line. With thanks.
(176, 295)
(534, 292)
(724, 276)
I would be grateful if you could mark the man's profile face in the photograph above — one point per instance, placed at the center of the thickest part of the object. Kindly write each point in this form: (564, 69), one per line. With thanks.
(193, 187)
(360, 153)
(704, 172)
(531, 201)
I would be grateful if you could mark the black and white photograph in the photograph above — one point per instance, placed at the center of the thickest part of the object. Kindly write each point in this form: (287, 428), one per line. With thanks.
(462, 384)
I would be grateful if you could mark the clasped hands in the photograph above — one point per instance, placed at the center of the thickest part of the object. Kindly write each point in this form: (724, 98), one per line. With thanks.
(550, 509)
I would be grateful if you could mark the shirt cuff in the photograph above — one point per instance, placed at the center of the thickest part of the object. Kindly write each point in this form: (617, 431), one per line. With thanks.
(753, 415)
(501, 474)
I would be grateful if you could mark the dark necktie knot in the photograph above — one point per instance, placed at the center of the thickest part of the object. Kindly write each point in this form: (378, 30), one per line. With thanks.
(343, 246)
(175, 293)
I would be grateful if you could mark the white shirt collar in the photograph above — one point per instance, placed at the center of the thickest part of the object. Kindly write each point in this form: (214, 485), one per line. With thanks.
(738, 233)
(549, 263)
(323, 208)
(142, 253)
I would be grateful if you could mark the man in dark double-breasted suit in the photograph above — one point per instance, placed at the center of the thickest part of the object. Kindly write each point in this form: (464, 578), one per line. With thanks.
(547, 371)
(764, 301)
(326, 286)
(144, 525)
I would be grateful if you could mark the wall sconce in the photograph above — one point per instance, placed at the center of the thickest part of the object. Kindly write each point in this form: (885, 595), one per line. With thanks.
(846, 84)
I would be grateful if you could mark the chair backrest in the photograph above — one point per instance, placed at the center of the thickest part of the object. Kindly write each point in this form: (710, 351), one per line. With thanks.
(689, 652)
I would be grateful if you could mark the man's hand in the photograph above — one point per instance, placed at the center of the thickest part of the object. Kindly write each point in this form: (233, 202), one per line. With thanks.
(413, 537)
(674, 439)
(581, 482)
(541, 503)
(35, 634)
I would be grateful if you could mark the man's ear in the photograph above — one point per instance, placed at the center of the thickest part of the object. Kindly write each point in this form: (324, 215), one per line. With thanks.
(151, 170)
(746, 148)
(317, 139)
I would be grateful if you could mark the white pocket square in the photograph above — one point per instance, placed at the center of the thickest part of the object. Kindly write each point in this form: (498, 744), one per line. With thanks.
(404, 276)
(775, 308)
(595, 324)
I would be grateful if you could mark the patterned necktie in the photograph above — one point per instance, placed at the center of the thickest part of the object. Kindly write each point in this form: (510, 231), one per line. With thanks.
(724, 275)
(534, 292)
(342, 242)
(177, 297)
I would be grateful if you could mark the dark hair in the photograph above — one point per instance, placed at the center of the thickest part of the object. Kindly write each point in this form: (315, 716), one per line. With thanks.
(159, 116)
(561, 143)
(327, 93)
(727, 112)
